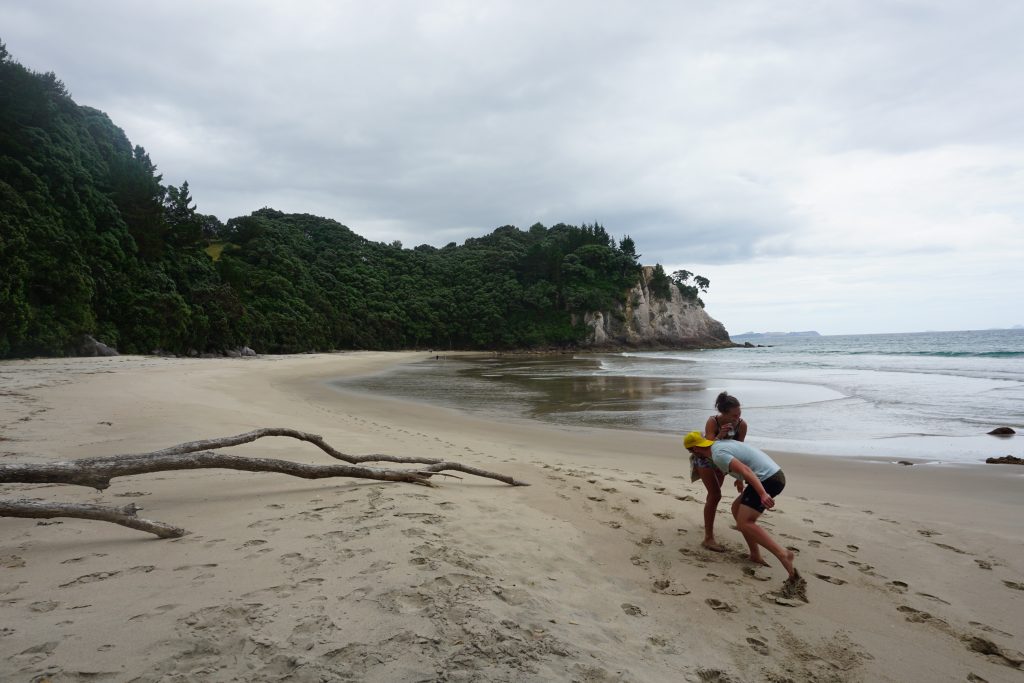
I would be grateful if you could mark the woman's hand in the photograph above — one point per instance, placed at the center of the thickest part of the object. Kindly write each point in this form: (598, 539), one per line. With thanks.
(767, 501)
(739, 485)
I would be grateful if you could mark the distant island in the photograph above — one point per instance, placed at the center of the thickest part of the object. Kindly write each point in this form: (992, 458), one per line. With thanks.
(766, 335)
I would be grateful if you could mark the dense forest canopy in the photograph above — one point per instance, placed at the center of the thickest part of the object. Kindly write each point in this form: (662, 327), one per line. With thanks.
(92, 242)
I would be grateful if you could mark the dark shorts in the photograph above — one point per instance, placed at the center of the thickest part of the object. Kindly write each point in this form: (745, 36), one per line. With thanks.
(773, 485)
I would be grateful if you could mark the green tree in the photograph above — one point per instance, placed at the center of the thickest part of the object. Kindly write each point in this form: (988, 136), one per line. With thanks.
(92, 241)
(660, 283)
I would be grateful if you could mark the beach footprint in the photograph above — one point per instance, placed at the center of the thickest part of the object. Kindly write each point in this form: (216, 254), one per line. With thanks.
(632, 610)
(758, 646)
(751, 572)
(103, 576)
(720, 605)
(12, 561)
(665, 587)
(990, 629)
(933, 597)
(155, 612)
(37, 653)
(300, 563)
(952, 548)
(830, 579)
(76, 560)
(44, 606)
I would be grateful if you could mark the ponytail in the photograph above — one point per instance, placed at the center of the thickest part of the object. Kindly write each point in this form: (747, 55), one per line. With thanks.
(724, 403)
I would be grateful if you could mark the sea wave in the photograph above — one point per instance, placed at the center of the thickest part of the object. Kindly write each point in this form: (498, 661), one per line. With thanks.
(792, 352)
(935, 354)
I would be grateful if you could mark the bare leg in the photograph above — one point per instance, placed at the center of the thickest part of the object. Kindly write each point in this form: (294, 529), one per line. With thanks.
(714, 487)
(746, 520)
(755, 552)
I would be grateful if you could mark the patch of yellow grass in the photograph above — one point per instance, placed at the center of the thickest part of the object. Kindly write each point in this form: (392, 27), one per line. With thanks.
(214, 249)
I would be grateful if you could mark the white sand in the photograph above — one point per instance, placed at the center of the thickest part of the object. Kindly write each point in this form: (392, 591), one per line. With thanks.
(592, 573)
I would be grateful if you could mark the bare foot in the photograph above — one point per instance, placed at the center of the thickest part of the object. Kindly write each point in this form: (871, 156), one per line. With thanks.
(788, 564)
(758, 560)
(714, 546)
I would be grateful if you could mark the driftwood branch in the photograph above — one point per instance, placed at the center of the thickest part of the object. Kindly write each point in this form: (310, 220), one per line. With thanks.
(315, 439)
(436, 465)
(125, 515)
(98, 472)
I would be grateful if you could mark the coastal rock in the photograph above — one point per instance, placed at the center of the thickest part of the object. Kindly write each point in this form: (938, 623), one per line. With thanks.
(644, 321)
(1005, 460)
(90, 348)
(247, 352)
(1002, 431)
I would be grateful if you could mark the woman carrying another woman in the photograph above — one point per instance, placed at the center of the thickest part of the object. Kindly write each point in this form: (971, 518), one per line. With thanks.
(764, 479)
(727, 424)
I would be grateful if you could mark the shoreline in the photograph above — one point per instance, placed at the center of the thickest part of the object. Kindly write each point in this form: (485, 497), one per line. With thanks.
(873, 479)
(580, 392)
(470, 579)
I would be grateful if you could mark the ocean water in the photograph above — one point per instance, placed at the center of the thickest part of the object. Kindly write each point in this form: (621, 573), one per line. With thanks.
(925, 396)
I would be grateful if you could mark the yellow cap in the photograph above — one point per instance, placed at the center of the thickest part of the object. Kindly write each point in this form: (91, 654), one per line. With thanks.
(695, 439)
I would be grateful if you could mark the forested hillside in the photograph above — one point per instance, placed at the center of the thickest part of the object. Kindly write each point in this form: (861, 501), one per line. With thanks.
(92, 242)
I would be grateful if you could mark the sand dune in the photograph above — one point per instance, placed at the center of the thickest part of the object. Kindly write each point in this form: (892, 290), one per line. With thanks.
(593, 573)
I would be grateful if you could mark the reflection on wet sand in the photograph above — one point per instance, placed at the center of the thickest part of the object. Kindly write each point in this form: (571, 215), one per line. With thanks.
(564, 389)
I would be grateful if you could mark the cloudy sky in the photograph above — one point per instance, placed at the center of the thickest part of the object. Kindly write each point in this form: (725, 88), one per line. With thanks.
(846, 166)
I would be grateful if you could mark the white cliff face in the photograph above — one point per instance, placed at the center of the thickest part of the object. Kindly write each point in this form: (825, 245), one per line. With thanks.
(645, 321)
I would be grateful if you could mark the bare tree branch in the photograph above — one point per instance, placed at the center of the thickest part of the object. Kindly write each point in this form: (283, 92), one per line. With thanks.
(97, 473)
(125, 515)
(315, 439)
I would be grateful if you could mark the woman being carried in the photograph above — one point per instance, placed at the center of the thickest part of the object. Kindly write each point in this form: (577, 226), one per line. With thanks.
(727, 424)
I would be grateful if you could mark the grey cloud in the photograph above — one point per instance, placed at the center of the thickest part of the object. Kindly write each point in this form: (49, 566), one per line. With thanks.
(676, 123)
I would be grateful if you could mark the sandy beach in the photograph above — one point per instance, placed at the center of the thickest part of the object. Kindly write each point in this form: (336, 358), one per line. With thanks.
(594, 572)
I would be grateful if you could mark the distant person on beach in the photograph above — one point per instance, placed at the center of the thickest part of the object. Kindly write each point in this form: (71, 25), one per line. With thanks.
(764, 480)
(727, 424)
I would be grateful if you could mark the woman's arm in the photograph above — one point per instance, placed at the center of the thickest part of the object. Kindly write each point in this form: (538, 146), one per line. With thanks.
(711, 428)
(714, 429)
(741, 430)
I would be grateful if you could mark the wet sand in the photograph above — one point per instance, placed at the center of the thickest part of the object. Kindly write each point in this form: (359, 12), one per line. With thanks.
(593, 573)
